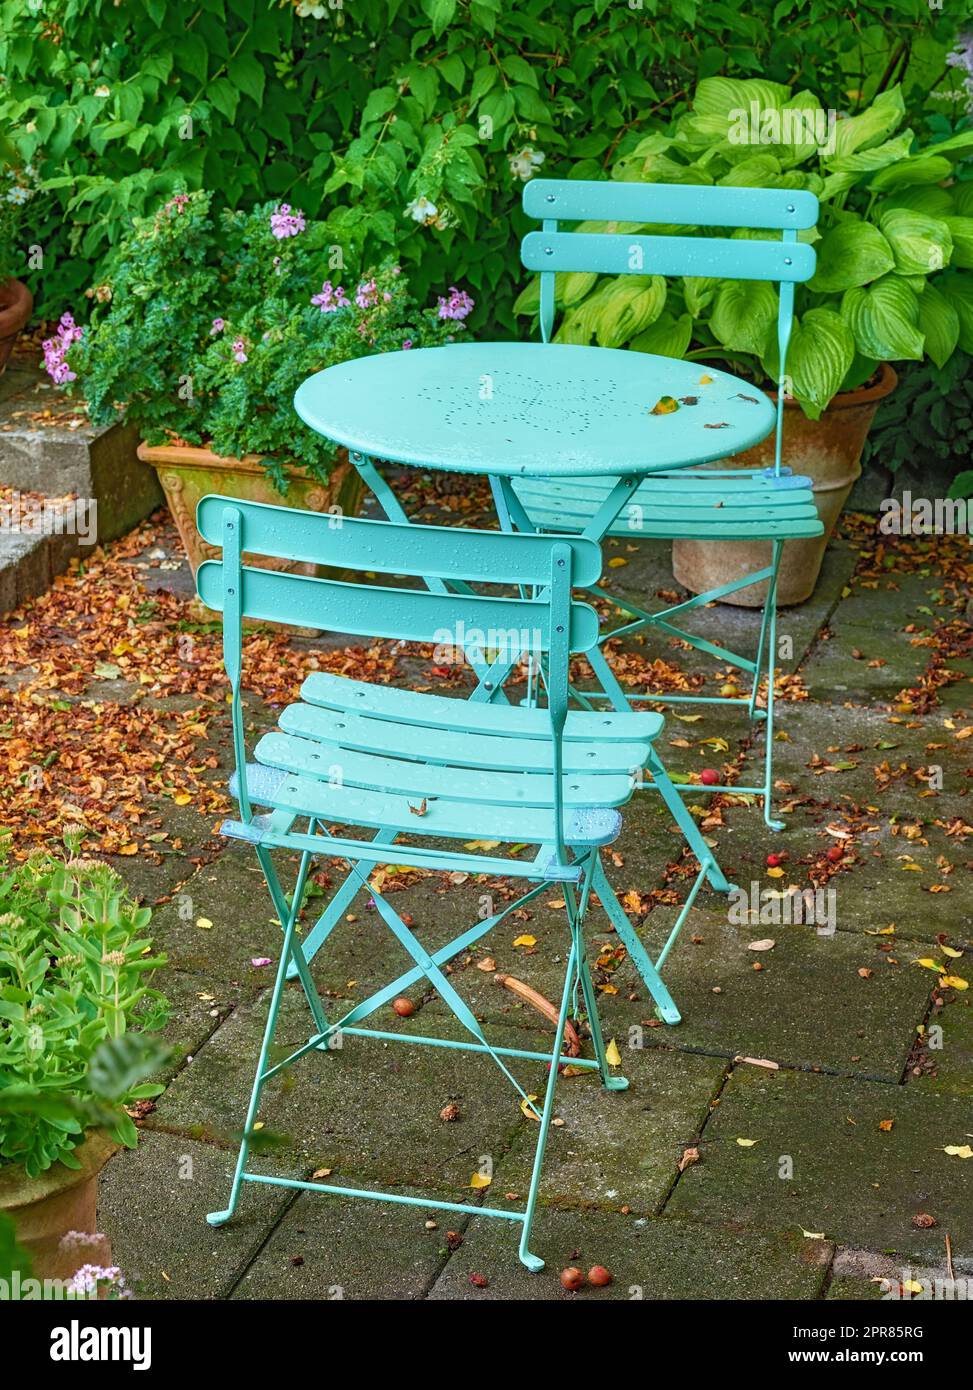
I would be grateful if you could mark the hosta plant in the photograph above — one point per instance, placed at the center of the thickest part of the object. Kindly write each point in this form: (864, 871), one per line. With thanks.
(206, 326)
(894, 243)
(75, 966)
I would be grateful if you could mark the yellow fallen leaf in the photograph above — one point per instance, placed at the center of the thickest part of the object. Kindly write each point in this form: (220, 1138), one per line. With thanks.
(775, 873)
(616, 562)
(528, 1107)
(886, 1126)
(812, 1235)
(910, 1285)
(948, 951)
(526, 941)
(612, 1055)
(259, 1124)
(182, 798)
(204, 923)
(206, 998)
(481, 844)
(130, 848)
(321, 1173)
(705, 380)
(929, 964)
(958, 1150)
(478, 1180)
(954, 982)
(688, 718)
(766, 943)
(665, 405)
(746, 1143)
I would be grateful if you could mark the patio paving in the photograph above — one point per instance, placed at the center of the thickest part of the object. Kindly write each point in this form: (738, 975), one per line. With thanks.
(808, 1055)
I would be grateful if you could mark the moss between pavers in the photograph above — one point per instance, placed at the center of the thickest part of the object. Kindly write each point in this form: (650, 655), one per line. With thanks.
(152, 1205)
(369, 1111)
(617, 1148)
(333, 1248)
(649, 1260)
(851, 1181)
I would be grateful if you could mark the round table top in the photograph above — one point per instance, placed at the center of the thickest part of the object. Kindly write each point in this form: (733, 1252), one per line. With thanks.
(534, 409)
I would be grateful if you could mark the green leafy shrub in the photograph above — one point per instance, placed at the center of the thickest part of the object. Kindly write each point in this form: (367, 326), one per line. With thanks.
(74, 971)
(927, 422)
(369, 106)
(894, 243)
(18, 185)
(205, 327)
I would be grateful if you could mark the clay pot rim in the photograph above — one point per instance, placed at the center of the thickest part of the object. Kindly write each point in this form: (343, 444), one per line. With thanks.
(199, 456)
(848, 400)
(17, 1190)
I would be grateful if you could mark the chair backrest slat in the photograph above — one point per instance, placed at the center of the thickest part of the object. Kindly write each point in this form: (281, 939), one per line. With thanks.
(692, 205)
(614, 254)
(386, 547)
(409, 615)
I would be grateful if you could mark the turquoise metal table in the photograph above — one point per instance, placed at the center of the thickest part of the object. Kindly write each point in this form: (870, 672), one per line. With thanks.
(515, 411)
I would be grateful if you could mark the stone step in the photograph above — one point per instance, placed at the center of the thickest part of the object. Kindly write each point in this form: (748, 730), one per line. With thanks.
(49, 452)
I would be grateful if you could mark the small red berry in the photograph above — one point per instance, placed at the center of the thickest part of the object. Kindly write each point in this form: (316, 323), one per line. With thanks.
(709, 777)
(835, 853)
(773, 860)
(571, 1279)
(599, 1276)
(403, 1006)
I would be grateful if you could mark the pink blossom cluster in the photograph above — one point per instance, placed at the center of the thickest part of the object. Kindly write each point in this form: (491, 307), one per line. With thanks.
(285, 221)
(56, 350)
(457, 306)
(89, 1277)
(176, 203)
(331, 299)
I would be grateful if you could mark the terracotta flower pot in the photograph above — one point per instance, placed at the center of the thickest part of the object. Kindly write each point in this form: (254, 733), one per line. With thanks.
(188, 473)
(829, 452)
(16, 303)
(59, 1200)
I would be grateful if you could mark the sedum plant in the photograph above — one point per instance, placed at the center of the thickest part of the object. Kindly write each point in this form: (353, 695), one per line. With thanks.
(75, 966)
(206, 326)
(894, 244)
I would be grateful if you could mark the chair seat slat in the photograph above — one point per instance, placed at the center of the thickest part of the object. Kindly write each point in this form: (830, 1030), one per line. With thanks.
(698, 205)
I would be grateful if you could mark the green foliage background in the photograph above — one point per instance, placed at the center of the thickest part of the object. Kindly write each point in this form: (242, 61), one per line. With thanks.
(359, 111)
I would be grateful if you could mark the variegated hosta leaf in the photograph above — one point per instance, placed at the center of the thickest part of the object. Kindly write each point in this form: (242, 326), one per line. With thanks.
(743, 313)
(821, 350)
(920, 169)
(872, 126)
(884, 317)
(667, 337)
(720, 100)
(867, 161)
(921, 245)
(852, 253)
(961, 230)
(939, 325)
(629, 306)
(928, 198)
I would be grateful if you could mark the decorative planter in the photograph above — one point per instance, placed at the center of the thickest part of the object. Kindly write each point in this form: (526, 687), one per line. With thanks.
(59, 1200)
(188, 473)
(16, 303)
(829, 452)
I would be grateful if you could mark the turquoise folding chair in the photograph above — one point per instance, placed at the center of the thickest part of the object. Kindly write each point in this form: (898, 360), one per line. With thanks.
(768, 505)
(430, 768)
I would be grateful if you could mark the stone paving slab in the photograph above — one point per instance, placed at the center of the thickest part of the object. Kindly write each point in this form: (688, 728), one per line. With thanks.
(946, 1062)
(862, 1276)
(369, 1111)
(806, 1007)
(152, 1205)
(851, 1181)
(617, 1148)
(333, 1248)
(649, 1260)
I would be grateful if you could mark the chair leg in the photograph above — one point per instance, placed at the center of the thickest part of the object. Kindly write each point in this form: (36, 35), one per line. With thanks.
(683, 818)
(297, 964)
(638, 955)
(772, 823)
(534, 1262)
(219, 1218)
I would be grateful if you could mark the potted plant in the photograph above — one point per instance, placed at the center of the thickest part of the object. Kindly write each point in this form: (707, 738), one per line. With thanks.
(202, 333)
(894, 245)
(74, 972)
(17, 187)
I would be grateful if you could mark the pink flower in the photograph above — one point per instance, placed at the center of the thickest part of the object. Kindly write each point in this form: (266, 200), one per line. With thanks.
(285, 222)
(176, 204)
(259, 961)
(331, 298)
(239, 350)
(457, 306)
(407, 344)
(218, 326)
(56, 350)
(366, 294)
